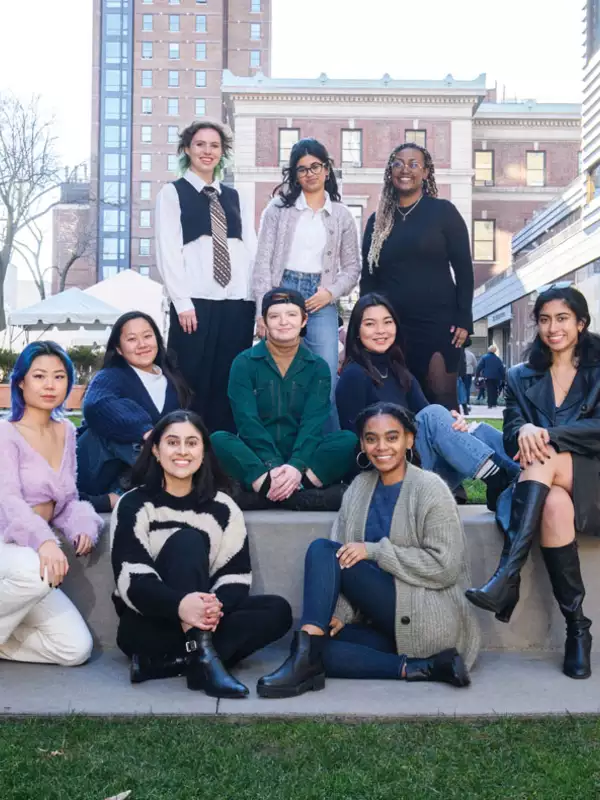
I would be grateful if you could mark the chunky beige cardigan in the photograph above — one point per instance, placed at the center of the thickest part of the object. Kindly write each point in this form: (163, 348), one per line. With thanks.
(426, 554)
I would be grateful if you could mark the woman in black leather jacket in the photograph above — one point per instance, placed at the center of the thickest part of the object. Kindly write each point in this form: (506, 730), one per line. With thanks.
(552, 427)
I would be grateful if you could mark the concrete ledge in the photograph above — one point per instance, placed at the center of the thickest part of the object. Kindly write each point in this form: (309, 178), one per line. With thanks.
(278, 542)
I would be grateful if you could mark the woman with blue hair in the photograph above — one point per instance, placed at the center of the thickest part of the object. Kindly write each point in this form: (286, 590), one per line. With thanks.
(38, 623)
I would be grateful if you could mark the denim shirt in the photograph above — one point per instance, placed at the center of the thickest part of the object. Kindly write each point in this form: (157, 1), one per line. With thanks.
(280, 418)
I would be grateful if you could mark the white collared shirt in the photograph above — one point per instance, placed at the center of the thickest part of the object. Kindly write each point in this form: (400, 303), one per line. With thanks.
(187, 270)
(310, 237)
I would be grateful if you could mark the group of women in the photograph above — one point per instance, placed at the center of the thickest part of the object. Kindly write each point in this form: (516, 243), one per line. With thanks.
(387, 596)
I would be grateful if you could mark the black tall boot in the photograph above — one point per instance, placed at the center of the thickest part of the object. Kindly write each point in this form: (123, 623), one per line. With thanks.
(148, 668)
(564, 570)
(206, 671)
(445, 667)
(301, 672)
(501, 593)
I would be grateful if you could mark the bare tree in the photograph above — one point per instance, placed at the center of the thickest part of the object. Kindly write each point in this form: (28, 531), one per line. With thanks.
(29, 173)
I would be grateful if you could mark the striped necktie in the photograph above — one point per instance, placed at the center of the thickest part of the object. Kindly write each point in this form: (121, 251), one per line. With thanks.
(218, 224)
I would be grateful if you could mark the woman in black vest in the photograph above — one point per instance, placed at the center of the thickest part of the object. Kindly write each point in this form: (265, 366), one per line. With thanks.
(205, 246)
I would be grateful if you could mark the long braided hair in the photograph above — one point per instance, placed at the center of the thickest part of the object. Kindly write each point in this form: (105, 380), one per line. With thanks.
(386, 210)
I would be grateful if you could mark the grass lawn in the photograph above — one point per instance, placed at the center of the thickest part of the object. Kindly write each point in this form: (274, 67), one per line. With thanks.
(476, 489)
(192, 759)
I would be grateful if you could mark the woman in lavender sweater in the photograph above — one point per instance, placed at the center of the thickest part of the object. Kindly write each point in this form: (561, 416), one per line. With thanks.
(38, 496)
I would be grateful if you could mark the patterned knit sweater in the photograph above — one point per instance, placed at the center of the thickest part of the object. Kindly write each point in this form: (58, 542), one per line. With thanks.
(426, 554)
(140, 526)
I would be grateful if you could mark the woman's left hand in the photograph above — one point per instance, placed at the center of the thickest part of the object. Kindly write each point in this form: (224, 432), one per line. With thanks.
(460, 336)
(461, 423)
(83, 544)
(321, 298)
(350, 554)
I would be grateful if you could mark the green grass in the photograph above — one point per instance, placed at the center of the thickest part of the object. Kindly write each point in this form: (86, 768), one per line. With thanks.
(192, 759)
(476, 489)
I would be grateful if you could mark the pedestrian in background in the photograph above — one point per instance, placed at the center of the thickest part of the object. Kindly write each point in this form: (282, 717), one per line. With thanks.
(492, 370)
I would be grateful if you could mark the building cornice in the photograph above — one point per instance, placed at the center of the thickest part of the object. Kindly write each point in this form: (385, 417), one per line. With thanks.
(526, 122)
(391, 99)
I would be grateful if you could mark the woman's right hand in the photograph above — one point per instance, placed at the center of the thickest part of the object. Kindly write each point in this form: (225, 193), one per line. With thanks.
(53, 563)
(200, 610)
(188, 321)
(335, 626)
(533, 445)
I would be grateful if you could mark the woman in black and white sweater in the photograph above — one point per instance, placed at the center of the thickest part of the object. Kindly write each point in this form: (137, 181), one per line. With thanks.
(181, 561)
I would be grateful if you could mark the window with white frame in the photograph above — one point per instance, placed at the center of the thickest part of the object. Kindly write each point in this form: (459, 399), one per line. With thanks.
(357, 214)
(287, 139)
(484, 167)
(255, 30)
(200, 23)
(536, 168)
(200, 78)
(146, 162)
(144, 247)
(173, 134)
(147, 22)
(255, 59)
(174, 51)
(144, 218)
(145, 190)
(200, 51)
(146, 105)
(416, 136)
(255, 6)
(200, 110)
(146, 78)
(174, 26)
(173, 78)
(146, 49)
(484, 239)
(172, 163)
(173, 106)
(146, 134)
(352, 147)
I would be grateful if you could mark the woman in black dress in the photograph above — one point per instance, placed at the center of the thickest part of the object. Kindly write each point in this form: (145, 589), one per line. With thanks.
(552, 427)
(408, 249)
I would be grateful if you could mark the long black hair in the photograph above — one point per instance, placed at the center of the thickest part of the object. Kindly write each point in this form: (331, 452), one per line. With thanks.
(357, 353)
(112, 357)
(289, 189)
(405, 417)
(587, 351)
(147, 472)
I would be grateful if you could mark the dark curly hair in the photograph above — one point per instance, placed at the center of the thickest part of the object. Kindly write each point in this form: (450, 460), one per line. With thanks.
(289, 189)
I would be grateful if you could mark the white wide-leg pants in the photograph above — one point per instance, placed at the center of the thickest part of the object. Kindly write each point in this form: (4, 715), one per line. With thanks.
(37, 623)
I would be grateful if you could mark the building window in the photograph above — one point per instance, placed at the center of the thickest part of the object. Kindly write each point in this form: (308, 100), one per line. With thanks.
(116, 53)
(114, 164)
(287, 139)
(174, 23)
(416, 137)
(146, 162)
(484, 167)
(144, 218)
(115, 108)
(146, 49)
(592, 26)
(255, 6)
(536, 168)
(144, 271)
(144, 247)
(357, 213)
(110, 221)
(115, 80)
(146, 105)
(173, 106)
(200, 51)
(146, 2)
(146, 134)
(173, 134)
(110, 249)
(200, 23)
(484, 237)
(146, 78)
(145, 190)
(173, 78)
(113, 192)
(201, 2)
(200, 78)
(172, 163)
(255, 59)
(174, 51)
(174, 2)
(146, 22)
(116, 24)
(255, 30)
(352, 148)
(115, 136)
(200, 107)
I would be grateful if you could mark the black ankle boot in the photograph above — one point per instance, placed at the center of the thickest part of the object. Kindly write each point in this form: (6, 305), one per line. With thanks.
(564, 570)
(327, 499)
(445, 667)
(206, 671)
(302, 671)
(494, 486)
(149, 668)
(501, 593)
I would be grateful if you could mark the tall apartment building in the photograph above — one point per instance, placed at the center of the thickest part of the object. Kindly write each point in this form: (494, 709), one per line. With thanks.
(157, 65)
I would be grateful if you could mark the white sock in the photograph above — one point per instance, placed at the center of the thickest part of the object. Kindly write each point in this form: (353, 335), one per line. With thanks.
(486, 470)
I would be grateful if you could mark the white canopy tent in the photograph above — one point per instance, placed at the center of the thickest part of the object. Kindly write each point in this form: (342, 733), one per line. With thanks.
(68, 311)
(130, 291)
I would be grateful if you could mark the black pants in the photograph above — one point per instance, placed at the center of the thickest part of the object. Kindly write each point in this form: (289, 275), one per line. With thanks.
(183, 564)
(225, 328)
(492, 393)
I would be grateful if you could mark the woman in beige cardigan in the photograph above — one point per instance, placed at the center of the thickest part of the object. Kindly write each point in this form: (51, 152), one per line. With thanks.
(384, 597)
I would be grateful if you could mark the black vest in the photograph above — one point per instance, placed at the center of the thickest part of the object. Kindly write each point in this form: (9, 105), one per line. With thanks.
(195, 212)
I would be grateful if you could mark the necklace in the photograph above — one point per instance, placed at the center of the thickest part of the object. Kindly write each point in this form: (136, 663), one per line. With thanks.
(559, 384)
(380, 373)
(404, 214)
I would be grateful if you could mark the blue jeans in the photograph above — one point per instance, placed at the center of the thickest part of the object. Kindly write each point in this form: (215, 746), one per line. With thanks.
(321, 331)
(455, 455)
(358, 651)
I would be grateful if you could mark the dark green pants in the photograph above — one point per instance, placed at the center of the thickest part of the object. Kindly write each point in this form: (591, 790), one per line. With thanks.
(331, 461)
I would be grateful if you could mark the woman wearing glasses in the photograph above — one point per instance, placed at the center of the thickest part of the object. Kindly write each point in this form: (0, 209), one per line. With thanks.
(409, 246)
(308, 242)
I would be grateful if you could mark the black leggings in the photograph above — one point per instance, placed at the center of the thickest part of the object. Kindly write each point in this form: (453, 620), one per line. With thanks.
(251, 624)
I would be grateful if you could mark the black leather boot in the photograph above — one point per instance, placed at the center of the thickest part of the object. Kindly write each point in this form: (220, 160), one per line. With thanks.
(445, 667)
(301, 672)
(149, 668)
(206, 671)
(564, 570)
(501, 593)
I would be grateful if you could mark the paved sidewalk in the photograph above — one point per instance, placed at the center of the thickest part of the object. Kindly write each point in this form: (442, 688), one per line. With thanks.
(519, 684)
(483, 412)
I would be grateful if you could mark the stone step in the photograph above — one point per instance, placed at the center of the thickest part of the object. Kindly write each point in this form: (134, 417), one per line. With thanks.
(278, 542)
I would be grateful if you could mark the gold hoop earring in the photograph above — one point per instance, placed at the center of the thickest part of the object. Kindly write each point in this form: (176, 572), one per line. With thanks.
(358, 464)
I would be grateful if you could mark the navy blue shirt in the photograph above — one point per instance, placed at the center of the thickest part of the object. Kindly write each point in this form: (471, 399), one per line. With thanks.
(381, 511)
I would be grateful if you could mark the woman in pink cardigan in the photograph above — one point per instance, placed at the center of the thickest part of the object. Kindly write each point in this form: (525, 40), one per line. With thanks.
(38, 495)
